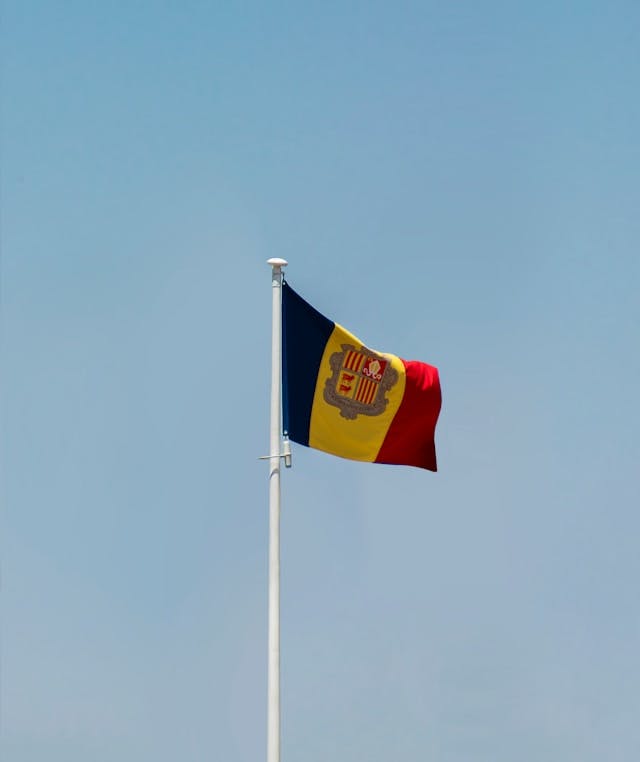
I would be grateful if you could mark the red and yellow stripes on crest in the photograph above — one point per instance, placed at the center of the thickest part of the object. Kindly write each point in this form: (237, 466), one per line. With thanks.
(353, 360)
(366, 391)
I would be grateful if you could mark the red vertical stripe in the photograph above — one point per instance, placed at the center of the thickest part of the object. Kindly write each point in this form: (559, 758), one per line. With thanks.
(410, 438)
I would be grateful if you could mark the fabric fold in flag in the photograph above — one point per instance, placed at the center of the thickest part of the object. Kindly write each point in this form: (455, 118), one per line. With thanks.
(346, 399)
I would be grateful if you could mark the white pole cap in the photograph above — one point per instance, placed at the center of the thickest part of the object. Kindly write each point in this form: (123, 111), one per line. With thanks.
(277, 262)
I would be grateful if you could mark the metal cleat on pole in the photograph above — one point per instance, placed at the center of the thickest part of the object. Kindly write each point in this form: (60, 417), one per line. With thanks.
(285, 454)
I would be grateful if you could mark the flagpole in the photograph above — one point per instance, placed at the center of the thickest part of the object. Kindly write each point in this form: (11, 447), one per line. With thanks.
(273, 675)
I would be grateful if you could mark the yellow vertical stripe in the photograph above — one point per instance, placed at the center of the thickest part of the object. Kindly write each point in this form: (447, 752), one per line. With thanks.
(362, 437)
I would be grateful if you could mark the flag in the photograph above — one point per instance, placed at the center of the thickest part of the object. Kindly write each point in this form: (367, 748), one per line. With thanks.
(341, 397)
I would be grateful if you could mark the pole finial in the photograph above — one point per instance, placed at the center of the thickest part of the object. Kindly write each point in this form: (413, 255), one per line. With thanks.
(277, 263)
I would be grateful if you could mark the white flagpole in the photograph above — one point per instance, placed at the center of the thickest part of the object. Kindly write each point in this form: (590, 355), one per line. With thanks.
(273, 678)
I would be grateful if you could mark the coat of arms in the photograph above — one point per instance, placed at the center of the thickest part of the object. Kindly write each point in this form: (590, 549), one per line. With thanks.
(359, 381)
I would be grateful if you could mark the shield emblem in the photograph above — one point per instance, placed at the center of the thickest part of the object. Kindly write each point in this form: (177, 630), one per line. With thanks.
(359, 380)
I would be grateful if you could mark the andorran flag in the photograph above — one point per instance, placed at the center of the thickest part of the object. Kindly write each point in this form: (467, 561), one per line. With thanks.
(348, 400)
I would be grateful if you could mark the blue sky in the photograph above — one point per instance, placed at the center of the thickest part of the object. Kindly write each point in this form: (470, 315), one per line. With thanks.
(456, 183)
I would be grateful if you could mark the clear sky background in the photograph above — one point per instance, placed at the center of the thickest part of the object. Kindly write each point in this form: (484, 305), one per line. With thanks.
(454, 182)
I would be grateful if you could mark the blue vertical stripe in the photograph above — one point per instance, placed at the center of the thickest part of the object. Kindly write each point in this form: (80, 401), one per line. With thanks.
(305, 333)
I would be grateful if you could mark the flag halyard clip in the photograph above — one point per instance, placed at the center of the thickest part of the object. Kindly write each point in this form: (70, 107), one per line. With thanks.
(286, 453)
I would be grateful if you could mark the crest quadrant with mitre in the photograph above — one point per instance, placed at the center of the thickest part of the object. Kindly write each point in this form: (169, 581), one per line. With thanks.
(359, 381)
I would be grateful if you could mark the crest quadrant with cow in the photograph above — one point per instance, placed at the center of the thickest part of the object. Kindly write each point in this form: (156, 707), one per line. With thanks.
(359, 381)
